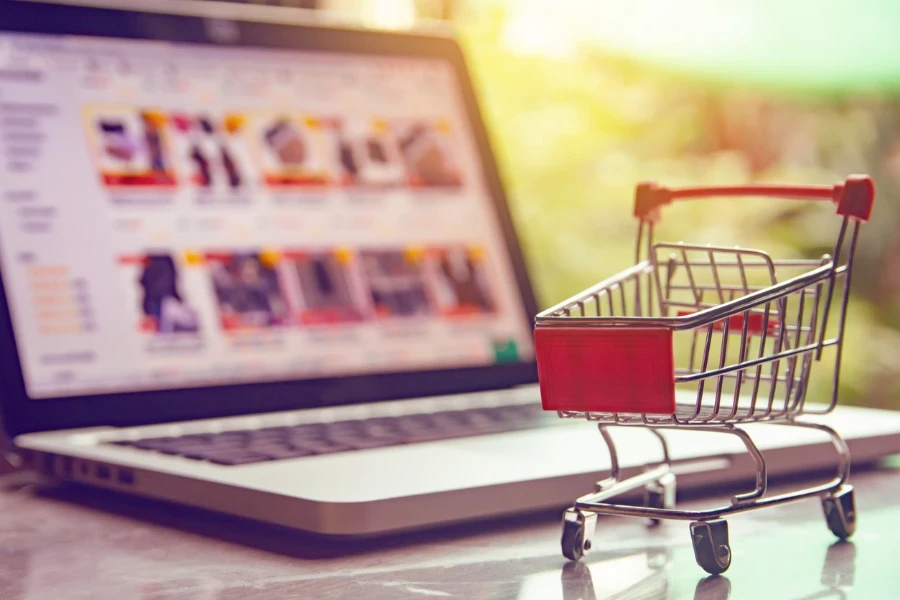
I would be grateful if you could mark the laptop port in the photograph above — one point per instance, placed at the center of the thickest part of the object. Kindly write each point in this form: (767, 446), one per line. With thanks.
(125, 476)
(103, 472)
(64, 465)
(84, 468)
(47, 464)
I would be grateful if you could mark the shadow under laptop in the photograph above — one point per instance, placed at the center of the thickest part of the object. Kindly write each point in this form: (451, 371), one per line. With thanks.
(297, 544)
(269, 537)
(302, 545)
(283, 540)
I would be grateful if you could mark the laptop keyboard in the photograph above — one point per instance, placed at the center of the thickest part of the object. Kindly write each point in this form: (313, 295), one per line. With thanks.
(249, 446)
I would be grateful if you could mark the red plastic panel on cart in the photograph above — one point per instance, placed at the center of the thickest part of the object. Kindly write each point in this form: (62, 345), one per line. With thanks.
(606, 369)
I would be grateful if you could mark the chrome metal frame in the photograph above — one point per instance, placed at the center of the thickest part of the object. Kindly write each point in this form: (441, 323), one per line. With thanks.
(706, 296)
(715, 287)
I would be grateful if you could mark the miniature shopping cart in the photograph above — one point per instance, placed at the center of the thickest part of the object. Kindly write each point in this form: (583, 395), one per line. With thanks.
(704, 338)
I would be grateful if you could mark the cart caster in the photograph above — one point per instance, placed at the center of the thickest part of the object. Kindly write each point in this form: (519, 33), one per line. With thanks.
(711, 547)
(578, 532)
(660, 494)
(840, 512)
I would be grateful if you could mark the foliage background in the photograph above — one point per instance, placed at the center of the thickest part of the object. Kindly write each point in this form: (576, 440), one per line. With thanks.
(574, 135)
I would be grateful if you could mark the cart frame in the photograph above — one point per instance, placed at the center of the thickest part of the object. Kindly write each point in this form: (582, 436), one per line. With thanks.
(607, 355)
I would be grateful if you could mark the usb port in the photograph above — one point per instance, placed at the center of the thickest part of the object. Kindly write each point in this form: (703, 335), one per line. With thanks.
(47, 461)
(103, 472)
(125, 476)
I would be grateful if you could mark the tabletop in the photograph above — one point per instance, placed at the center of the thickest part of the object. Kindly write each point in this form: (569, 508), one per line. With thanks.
(60, 541)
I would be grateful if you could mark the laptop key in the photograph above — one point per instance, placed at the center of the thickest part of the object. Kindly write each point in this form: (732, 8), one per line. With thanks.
(234, 436)
(154, 443)
(432, 435)
(382, 432)
(224, 446)
(233, 459)
(272, 431)
(197, 437)
(203, 453)
(284, 452)
(195, 454)
(325, 446)
(307, 432)
(367, 443)
(266, 435)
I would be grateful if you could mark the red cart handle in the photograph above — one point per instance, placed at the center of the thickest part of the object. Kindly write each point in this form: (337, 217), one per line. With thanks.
(854, 197)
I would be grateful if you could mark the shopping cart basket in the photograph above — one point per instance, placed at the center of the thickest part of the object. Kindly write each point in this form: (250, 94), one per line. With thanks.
(703, 338)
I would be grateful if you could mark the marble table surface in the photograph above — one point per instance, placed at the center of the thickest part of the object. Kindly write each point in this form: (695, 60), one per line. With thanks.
(61, 542)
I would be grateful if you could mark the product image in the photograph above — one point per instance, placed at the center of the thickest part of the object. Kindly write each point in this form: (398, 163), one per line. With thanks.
(130, 146)
(203, 176)
(427, 150)
(247, 290)
(287, 143)
(294, 149)
(369, 155)
(153, 123)
(325, 288)
(396, 283)
(163, 307)
(116, 141)
(462, 283)
(211, 147)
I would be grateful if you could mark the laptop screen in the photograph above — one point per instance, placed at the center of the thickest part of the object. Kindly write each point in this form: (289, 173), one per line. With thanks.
(176, 215)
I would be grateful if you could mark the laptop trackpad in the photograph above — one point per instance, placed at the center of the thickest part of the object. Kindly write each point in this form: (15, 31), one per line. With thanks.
(573, 452)
(469, 463)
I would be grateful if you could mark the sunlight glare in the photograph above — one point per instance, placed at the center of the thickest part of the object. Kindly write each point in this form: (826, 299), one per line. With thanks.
(389, 14)
(533, 30)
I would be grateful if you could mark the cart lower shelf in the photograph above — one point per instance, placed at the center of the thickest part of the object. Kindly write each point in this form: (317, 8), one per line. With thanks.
(709, 532)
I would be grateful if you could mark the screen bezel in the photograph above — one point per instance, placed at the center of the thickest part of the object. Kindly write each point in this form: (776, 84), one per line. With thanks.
(20, 414)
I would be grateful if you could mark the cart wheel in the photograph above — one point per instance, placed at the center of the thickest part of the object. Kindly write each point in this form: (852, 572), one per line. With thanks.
(574, 541)
(660, 494)
(840, 512)
(711, 547)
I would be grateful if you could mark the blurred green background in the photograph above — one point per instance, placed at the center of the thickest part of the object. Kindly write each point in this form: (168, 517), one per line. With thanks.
(578, 122)
(585, 98)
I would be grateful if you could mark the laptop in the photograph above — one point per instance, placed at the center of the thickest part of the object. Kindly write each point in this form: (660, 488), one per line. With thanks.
(263, 264)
